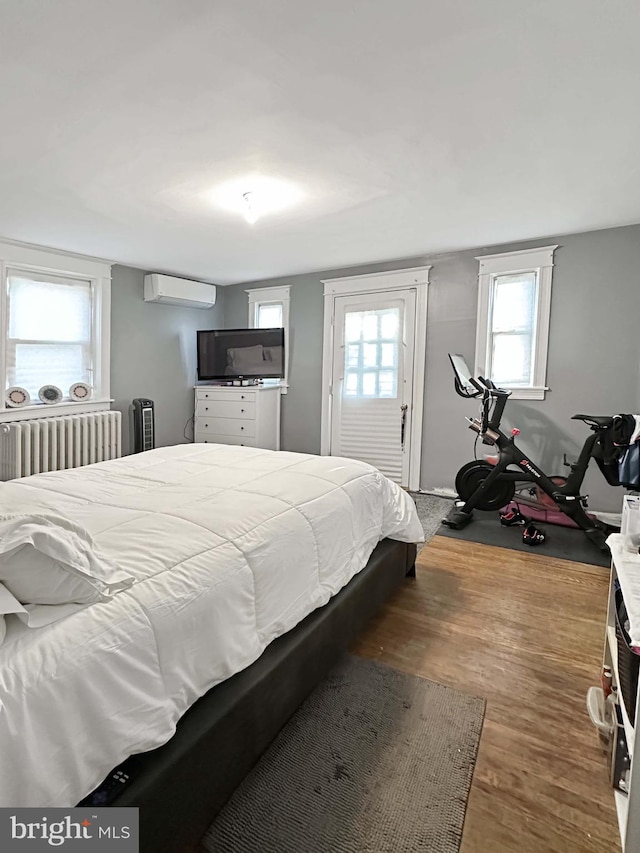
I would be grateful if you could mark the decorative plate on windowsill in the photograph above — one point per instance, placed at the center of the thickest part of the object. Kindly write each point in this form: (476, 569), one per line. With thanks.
(80, 391)
(15, 397)
(50, 394)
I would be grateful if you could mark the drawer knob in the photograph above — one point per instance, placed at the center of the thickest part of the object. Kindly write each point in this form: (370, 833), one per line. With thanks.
(206, 425)
(242, 396)
(206, 408)
(241, 427)
(241, 411)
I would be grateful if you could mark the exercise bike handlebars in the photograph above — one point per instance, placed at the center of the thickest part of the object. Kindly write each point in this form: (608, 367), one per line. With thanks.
(468, 387)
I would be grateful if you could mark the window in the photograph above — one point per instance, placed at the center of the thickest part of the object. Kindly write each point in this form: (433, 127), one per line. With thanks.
(514, 302)
(55, 327)
(269, 309)
(371, 353)
(49, 335)
(268, 315)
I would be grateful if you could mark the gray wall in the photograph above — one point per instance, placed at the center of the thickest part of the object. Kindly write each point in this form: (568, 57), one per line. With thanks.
(153, 354)
(594, 351)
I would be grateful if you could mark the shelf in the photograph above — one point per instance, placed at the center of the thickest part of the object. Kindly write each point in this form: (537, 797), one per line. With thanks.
(622, 808)
(613, 649)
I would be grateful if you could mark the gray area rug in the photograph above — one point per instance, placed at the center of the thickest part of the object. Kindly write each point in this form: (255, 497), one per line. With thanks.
(431, 510)
(374, 761)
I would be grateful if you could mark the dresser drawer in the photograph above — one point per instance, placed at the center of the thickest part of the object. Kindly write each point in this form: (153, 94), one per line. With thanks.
(225, 426)
(236, 395)
(238, 440)
(226, 409)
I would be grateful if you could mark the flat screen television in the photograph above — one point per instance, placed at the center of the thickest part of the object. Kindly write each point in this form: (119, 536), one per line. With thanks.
(231, 354)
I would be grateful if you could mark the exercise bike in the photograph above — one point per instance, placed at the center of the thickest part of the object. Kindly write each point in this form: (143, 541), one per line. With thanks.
(487, 486)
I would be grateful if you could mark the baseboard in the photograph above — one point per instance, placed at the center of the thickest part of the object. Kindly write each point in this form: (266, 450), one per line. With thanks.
(440, 492)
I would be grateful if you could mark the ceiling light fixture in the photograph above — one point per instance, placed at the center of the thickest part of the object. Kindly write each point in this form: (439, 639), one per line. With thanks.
(250, 212)
(255, 196)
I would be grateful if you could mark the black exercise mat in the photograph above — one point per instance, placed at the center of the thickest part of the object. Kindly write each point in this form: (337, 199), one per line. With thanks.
(566, 543)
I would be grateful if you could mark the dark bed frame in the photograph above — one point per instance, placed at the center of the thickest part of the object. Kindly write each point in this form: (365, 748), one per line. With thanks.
(181, 786)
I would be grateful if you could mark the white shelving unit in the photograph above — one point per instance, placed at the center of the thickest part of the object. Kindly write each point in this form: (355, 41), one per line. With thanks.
(627, 805)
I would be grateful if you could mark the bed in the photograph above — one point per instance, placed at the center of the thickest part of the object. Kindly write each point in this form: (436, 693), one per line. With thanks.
(253, 570)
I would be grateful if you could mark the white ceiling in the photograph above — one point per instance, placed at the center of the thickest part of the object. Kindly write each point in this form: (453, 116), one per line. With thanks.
(412, 126)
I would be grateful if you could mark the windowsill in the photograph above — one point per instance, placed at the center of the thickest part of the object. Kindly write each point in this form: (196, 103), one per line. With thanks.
(281, 384)
(527, 393)
(43, 410)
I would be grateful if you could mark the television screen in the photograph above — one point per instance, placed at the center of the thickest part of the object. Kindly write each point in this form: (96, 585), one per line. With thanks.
(241, 354)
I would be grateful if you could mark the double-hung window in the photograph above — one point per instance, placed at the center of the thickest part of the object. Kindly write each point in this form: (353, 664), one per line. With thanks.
(49, 331)
(54, 312)
(269, 309)
(514, 304)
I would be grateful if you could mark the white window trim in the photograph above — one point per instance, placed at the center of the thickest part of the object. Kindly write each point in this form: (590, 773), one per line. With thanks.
(540, 261)
(267, 296)
(24, 258)
(413, 278)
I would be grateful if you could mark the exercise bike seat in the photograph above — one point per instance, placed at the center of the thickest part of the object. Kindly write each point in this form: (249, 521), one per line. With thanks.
(596, 420)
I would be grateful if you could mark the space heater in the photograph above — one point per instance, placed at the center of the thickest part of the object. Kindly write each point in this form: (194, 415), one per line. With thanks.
(144, 435)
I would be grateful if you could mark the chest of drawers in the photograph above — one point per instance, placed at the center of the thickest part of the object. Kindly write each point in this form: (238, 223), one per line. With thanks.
(248, 416)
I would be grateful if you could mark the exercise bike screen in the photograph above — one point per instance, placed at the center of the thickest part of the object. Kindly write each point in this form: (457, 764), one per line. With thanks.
(462, 372)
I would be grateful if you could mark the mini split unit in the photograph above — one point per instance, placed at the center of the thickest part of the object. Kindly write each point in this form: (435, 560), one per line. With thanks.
(178, 291)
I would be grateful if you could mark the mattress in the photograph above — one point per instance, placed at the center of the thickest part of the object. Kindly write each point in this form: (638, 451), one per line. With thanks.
(230, 547)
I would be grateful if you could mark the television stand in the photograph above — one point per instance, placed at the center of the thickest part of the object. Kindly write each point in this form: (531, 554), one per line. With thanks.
(244, 415)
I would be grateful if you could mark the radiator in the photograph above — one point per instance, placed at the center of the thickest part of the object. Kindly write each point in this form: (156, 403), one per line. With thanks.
(53, 444)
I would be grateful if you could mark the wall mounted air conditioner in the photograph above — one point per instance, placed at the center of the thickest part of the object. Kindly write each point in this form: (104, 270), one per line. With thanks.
(178, 291)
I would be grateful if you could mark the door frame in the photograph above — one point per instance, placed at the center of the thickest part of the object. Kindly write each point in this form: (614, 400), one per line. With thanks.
(414, 278)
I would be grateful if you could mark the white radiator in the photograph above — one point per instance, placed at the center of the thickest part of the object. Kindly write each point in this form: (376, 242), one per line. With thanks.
(53, 444)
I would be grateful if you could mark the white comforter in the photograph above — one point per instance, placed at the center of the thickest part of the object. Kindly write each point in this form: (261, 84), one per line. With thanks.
(230, 547)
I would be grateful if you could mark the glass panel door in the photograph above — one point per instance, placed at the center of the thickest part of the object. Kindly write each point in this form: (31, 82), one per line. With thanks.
(372, 380)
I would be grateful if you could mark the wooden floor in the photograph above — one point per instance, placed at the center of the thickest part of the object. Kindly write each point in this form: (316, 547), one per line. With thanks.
(525, 632)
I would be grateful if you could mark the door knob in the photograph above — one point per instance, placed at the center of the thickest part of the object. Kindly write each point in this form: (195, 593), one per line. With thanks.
(403, 423)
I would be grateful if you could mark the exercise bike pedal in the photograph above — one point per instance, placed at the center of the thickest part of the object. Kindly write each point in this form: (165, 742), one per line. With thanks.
(559, 498)
(457, 518)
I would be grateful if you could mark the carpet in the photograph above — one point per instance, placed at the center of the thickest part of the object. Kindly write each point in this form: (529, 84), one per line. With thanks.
(375, 760)
(431, 510)
(565, 543)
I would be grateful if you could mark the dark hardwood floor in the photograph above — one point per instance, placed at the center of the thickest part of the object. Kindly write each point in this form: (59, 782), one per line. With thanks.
(525, 632)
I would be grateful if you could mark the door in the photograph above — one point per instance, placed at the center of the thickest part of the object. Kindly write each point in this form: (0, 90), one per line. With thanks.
(372, 380)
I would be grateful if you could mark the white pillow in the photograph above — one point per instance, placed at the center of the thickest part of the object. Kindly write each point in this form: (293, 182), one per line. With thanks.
(8, 604)
(246, 359)
(47, 559)
(33, 615)
(273, 359)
